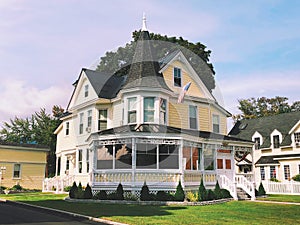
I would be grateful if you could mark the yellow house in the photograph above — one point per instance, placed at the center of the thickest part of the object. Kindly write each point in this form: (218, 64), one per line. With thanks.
(157, 124)
(22, 164)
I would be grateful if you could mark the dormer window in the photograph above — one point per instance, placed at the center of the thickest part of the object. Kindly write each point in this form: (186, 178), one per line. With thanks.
(257, 143)
(297, 137)
(276, 141)
(177, 77)
(149, 109)
(132, 110)
(86, 90)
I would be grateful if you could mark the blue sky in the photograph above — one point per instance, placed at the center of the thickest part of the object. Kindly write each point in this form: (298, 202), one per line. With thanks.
(44, 44)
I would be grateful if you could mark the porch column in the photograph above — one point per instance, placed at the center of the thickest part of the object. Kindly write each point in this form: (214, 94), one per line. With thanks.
(133, 162)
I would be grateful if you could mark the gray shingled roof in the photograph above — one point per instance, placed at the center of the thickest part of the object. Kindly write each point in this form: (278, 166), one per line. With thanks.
(265, 126)
(274, 159)
(144, 70)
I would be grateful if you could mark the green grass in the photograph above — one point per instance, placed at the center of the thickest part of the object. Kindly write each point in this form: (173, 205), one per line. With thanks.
(235, 212)
(282, 198)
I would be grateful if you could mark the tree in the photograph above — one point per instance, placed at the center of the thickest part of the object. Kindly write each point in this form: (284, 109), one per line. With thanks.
(260, 107)
(36, 129)
(120, 60)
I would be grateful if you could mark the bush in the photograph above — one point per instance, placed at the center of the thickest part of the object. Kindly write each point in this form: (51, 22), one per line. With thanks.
(296, 178)
(164, 196)
(261, 190)
(217, 191)
(80, 193)
(225, 193)
(17, 187)
(274, 179)
(179, 194)
(88, 192)
(191, 196)
(112, 196)
(73, 190)
(120, 192)
(145, 194)
(101, 195)
(210, 195)
(130, 196)
(202, 193)
(67, 188)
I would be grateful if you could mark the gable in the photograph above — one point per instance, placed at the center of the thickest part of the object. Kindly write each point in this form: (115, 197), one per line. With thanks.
(79, 97)
(188, 74)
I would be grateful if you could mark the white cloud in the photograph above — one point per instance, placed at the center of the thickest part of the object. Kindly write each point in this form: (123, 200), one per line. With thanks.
(20, 99)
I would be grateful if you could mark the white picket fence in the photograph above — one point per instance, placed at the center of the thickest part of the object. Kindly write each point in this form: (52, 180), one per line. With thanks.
(286, 187)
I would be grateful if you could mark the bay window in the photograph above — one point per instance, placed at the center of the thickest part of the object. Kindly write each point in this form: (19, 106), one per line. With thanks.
(149, 109)
(132, 110)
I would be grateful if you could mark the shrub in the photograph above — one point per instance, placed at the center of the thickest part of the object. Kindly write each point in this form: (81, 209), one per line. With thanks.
(261, 190)
(17, 187)
(164, 196)
(217, 191)
(88, 192)
(179, 194)
(145, 194)
(202, 193)
(130, 196)
(296, 178)
(275, 180)
(73, 190)
(210, 195)
(80, 193)
(112, 196)
(191, 196)
(67, 188)
(120, 192)
(225, 193)
(101, 195)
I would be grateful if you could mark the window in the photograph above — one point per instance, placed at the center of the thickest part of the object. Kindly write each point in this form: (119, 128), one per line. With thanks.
(86, 90)
(219, 163)
(132, 110)
(102, 122)
(67, 128)
(123, 156)
(146, 156)
(105, 157)
(193, 117)
(297, 137)
(191, 155)
(272, 172)
(257, 143)
(17, 171)
(262, 173)
(228, 164)
(163, 111)
(68, 164)
(87, 161)
(287, 173)
(177, 77)
(89, 118)
(80, 161)
(208, 156)
(80, 123)
(216, 124)
(276, 141)
(168, 156)
(149, 109)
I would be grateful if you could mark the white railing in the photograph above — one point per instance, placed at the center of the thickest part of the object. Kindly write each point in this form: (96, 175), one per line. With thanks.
(57, 184)
(228, 184)
(286, 187)
(246, 185)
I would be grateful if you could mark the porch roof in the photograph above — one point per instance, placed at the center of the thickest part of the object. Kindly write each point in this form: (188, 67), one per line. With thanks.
(274, 159)
(157, 128)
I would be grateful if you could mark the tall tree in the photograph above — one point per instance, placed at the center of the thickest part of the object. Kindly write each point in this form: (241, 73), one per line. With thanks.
(197, 54)
(36, 129)
(260, 107)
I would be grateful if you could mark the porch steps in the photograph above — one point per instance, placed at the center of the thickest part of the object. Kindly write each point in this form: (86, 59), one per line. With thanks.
(242, 195)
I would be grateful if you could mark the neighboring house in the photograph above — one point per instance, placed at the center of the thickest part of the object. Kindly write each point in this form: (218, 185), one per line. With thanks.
(159, 124)
(23, 164)
(277, 145)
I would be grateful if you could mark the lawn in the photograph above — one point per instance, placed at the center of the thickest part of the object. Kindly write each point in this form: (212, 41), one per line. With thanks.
(282, 198)
(235, 212)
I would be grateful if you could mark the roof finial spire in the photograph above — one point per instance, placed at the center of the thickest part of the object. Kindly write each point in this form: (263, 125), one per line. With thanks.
(144, 27)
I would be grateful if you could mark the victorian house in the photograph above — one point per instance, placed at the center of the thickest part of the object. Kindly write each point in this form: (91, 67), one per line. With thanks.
(157, 124)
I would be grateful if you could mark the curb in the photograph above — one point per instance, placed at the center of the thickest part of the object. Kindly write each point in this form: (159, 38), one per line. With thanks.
(76, 215)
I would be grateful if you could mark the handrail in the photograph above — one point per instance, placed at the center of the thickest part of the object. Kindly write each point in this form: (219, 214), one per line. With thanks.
(226, 183)
(246, 185)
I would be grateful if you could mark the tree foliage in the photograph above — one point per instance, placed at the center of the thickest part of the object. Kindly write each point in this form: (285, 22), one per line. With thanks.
(261, 107)
(36, 129)
(120, 60)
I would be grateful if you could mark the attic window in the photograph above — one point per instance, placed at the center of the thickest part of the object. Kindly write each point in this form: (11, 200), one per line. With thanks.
(276, 141)
(257, 143)
(297, 137)
(177, 77)
(243, 126)
(86, 90)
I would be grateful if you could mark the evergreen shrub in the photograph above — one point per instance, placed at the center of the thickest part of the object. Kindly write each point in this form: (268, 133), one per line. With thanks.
(73, 190)
(179, 194)
(88, 192)
(145, 194)
(120, 192)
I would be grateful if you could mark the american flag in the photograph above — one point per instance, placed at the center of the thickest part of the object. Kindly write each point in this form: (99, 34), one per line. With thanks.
(183, 92)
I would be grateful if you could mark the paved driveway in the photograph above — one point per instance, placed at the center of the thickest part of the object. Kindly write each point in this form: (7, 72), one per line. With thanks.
(11, 213)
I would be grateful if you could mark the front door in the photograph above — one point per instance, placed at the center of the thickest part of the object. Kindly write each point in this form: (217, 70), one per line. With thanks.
(225, 164)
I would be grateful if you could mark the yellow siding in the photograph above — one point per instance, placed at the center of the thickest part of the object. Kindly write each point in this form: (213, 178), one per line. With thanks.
(194, 89)
(33, 165)
(178, 115)
(204, 120)
(223, 120)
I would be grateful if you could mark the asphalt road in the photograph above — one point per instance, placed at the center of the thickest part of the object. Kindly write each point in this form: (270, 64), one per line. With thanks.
(11, 213)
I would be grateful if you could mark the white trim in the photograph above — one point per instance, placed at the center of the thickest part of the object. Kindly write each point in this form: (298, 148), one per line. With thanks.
(294, 127)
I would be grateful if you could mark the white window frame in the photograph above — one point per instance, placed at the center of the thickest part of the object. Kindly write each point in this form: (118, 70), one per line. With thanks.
(219, 123)
(86, 90)
(163, 112)
(81, 115)
(174, 83)
(275, 133)
(20, 170)
(196, 118)
(150, 110)
(102, 120)
(262, 171)
(275, 169)
(67, 130)
(132, 110)
(89, 118)
(284, 175)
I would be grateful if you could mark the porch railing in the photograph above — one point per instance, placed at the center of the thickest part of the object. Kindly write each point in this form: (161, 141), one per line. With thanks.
(57, 184)
(246, 185)
(286, 187)
(228, 184)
